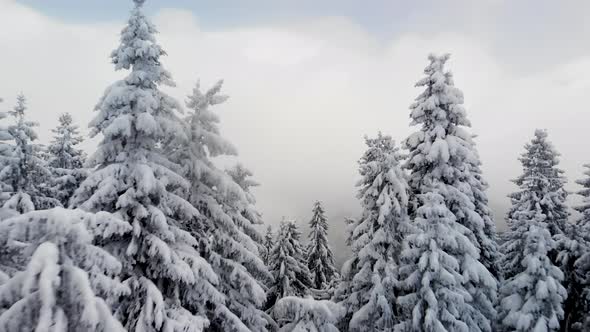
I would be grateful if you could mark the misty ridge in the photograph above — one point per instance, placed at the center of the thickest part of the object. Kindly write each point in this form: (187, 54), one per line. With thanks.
(153, 222)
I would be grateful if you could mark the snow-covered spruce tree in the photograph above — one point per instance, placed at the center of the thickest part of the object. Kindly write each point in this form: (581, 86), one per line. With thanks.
(269, 241)
(436, 297)
(297, 314)
(532, 299)
(5, 153)
(320, 260)
(133, 180)
(532, 294)
(65, 283)
(383, 192)
(228, 240)
(574, 260)
(288, 266)
(443, 158)
(66, 162)
(541, 180)
(24, 170)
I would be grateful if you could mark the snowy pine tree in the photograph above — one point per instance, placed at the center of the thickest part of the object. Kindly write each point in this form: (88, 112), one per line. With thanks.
(532, 299)
(580, 290)
(320, 260)
(295, 314)
(134, 180)
(228, 240)
(574, 260)
(443, 159)
(372, 273)
(24, 171)
(532, 294)
(436, 297)
(66, 283)
(288, 266)
(269, 240)
(541, 177)
(66, 162)
(5, 154)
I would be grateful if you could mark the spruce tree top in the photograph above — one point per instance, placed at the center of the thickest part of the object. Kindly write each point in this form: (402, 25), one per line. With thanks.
(140, 51)
(539, 164)
(442, 143)
(541, 181)
(320, 259)
(62, 148)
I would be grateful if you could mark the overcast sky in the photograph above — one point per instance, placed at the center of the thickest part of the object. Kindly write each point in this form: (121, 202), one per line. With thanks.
(308, 78)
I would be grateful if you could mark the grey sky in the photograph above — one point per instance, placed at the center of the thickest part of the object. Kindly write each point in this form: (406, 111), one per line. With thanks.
(308, 79)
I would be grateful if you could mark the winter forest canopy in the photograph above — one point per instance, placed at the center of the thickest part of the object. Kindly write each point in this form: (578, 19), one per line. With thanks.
(147, 232)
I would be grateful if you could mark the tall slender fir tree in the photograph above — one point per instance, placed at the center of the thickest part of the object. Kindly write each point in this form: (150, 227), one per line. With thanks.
(383, 191)
(320, 260)
(532, 294)
(288, 267)
(541, 177)
(269, 240)
(228, 240)
(5, 153)
(443, 160)
(66, 162)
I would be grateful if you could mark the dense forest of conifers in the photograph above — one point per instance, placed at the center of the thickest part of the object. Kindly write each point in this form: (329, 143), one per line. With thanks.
(148, 233)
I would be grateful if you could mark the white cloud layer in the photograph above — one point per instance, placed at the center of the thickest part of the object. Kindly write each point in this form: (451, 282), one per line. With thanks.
(304, 93)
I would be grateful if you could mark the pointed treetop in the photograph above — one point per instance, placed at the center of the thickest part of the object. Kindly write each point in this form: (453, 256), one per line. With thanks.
(317, 206)
(21, 105)
(139, 3)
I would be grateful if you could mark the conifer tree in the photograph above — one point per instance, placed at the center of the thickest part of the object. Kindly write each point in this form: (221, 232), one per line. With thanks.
(269, 240)
(372, 272)
(541, 177)
(320, 260)
(443, 159)
(574, 259)
(5, 153)
(133, 179)
(24, 171)
(65, 283)
(532, 295)
(288, 267)
(228, 240)
(436, 298)
(66, 162)
(532, 299)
